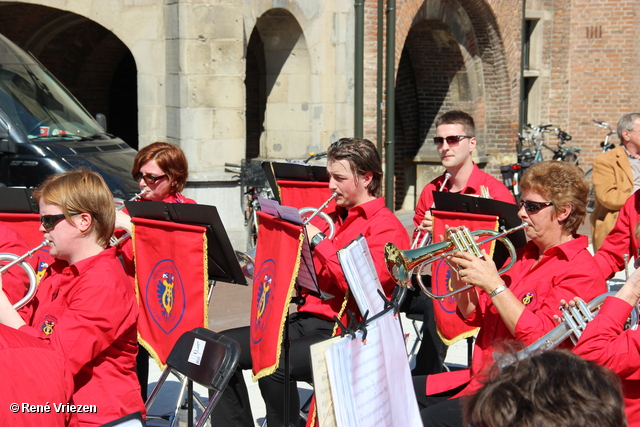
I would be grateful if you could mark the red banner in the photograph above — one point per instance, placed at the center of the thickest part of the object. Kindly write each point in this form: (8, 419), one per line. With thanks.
(171, 282)
(302, 194)
(450, 327)
(277, 264)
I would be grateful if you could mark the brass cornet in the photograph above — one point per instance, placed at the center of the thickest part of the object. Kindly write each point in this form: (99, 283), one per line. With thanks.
(403, 264)
(20, 261)
(575, 322)
(114, 241)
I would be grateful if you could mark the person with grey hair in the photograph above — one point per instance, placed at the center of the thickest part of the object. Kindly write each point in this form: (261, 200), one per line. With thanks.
(616, 175)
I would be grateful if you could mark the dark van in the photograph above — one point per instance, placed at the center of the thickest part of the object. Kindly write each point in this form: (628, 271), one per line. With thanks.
(45, 130)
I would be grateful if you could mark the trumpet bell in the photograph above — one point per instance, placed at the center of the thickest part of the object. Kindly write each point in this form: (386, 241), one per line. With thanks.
(247, 263)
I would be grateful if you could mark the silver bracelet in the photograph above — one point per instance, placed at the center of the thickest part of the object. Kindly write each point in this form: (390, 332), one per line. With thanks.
(497, 290)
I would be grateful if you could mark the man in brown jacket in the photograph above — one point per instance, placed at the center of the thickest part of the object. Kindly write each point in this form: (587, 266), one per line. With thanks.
(616, 175)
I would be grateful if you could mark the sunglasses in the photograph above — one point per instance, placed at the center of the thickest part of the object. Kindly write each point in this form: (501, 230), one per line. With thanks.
(452, 140)
(149, 179)
(50, 221)
(533, 207)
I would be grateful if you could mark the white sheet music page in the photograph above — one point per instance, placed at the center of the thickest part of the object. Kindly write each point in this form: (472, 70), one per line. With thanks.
(371, 382)
(321, 386)
(362, 277)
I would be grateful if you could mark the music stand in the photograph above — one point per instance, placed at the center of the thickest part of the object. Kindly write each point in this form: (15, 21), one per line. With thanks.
(292, 171)
(222, 262)
(507, 214)
(17, 200)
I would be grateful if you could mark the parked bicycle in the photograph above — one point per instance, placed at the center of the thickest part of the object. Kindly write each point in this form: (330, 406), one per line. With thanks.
(533, 153)
(606, 146)
(253, 184)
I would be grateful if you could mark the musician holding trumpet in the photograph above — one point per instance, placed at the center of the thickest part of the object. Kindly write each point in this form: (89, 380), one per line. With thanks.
(355, 171)
(84, 308)
(519, 306)
(455, 141)
(161, 170)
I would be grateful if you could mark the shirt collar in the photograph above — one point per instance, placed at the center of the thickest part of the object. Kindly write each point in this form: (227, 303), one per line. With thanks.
(82, 266)
(367, 210)
(567, 250)
(473, 183)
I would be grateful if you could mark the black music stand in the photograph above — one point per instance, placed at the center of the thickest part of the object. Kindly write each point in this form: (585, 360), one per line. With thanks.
(294, 172)
(223, 264)
(18, 200)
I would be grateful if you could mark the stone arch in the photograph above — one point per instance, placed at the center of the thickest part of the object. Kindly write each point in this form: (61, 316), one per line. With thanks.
(278, 47)
(91, 61)
(451, 57)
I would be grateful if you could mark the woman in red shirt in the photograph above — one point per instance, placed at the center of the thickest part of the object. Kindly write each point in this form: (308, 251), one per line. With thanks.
(519, 305)
(161, 171)
(84, 307)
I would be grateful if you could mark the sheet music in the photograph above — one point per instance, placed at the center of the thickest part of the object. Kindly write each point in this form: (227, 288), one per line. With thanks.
(371, 382)
(321, 387)
(362, 277)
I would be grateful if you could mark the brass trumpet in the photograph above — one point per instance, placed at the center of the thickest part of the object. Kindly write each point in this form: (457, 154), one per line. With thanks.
(403, 264)
(247, 260)
(575, 322)
(426, 239)
(20, 261)
(114, 241)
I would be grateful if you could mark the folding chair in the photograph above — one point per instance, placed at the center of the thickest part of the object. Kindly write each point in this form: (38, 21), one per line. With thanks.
(202, 356)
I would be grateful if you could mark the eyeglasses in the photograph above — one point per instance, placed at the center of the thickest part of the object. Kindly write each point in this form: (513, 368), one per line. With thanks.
(149, 179)
(452, 140)
(533, 207)
(49, 221)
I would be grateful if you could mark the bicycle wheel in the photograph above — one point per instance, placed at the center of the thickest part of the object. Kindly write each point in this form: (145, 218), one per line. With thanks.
(591, 198)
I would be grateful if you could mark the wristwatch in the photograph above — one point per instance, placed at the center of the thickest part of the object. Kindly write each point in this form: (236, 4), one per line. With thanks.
(317, 239)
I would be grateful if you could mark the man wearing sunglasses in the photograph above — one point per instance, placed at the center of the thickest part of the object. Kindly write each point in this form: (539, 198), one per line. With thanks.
(455, 140)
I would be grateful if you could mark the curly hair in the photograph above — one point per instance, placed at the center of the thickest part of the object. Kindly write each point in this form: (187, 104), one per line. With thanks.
(552, 389)
(563, 184)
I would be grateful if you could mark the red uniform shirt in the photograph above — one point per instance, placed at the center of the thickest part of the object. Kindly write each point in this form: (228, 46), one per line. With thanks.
(605, 342)
(87, 311)
(563, 272)
(497, 191)
(35, 374)
(621, 240)
(379, 226)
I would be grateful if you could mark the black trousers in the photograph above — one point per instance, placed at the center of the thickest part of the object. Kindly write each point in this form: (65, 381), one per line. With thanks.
(438, 410)
(234, 408)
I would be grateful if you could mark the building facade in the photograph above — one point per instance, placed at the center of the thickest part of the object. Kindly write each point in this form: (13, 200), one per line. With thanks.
(274, 79)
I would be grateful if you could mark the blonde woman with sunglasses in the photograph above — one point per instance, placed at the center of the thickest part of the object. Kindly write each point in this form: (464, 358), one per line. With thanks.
(84, 308)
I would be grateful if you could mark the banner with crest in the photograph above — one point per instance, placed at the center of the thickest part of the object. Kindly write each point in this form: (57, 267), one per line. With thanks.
(450, 327)
(171, 282)
(277, 263)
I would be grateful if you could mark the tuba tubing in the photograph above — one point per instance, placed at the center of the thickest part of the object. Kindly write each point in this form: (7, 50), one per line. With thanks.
(20, 261)
(575, 322)
(403, 264)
